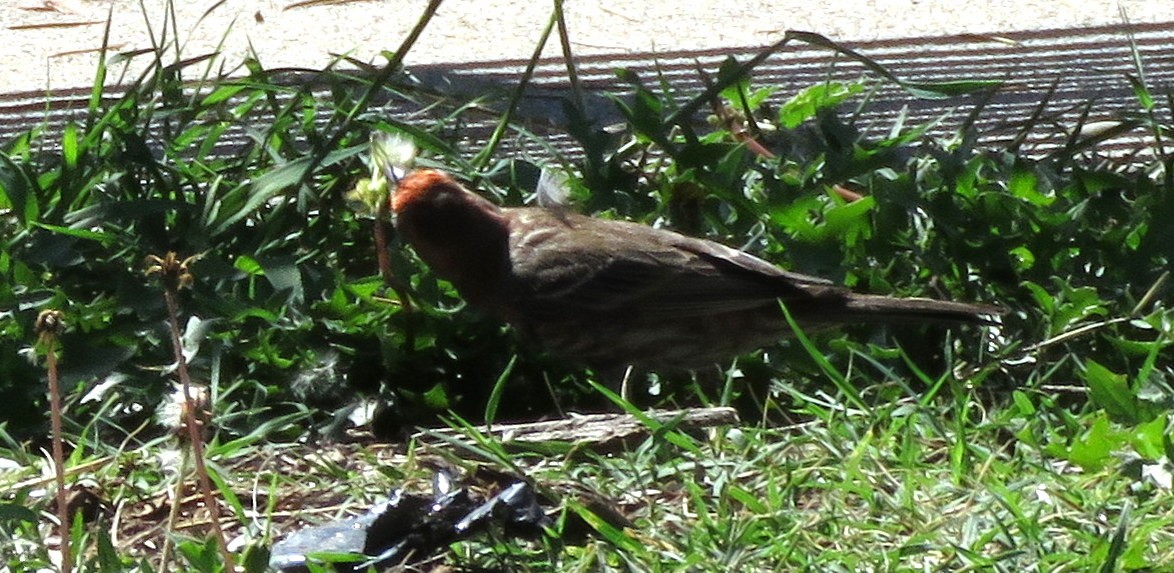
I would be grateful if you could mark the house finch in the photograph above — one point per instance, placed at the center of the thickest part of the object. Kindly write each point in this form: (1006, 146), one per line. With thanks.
(614, 294)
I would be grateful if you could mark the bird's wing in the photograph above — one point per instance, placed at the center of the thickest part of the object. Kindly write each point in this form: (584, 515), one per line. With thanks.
(595, 266)
(751, 268)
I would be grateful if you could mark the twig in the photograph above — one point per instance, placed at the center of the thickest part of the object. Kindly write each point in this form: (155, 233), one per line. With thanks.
(175, 275)
(48, 326)
(595, 429)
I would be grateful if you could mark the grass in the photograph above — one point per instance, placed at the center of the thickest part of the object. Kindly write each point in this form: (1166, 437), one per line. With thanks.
(1042, 444)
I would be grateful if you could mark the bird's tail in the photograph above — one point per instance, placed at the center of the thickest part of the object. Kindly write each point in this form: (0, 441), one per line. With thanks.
(892, 310)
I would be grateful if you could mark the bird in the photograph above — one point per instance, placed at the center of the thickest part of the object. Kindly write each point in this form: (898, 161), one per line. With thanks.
(615, 294)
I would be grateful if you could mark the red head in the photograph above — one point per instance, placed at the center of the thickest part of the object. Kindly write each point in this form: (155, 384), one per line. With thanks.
(422, 186)
(462, 236)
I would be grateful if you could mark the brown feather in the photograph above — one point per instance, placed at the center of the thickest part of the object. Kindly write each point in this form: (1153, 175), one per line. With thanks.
(616, 293)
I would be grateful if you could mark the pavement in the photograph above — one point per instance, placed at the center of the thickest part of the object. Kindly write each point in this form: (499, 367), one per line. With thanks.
(52, 45)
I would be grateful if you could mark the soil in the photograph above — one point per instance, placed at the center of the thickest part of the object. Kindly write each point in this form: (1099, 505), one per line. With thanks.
(54, 44)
